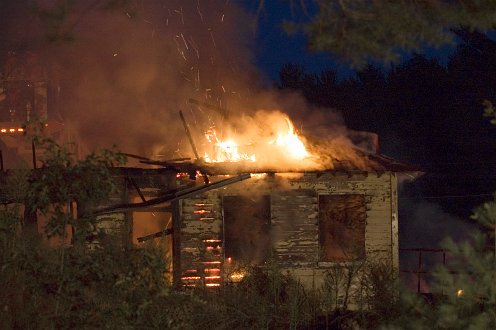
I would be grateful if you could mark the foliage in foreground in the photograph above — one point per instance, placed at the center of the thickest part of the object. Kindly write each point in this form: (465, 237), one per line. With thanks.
(49, 284)
(464, 293)
(384, 30)
(77, 288)
(269, 298)
(121, 286)
(112, 287)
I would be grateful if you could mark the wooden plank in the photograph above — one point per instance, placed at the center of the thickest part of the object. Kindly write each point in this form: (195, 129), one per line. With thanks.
(371, 230)
(195, 230)
(378, 242)
(379, 214)
(293, 217)
(394, 222)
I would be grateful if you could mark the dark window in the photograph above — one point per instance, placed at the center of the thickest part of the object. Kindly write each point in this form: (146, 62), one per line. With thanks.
(342, 227)
(17, 101)
(246, 228)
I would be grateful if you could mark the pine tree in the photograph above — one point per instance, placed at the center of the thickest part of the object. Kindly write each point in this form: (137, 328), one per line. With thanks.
(357, 31)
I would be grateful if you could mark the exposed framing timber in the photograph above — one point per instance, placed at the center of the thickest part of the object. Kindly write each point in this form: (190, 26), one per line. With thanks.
(172, 196)
(394, 222)
(133, 183)
(165, 232)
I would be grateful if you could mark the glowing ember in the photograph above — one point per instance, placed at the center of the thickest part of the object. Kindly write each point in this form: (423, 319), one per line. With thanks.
(212, 284)
(190, 278)
(212, 241)
(236, 276)
(212, 270)
(201, 211)
(211, 262)
(212, 277)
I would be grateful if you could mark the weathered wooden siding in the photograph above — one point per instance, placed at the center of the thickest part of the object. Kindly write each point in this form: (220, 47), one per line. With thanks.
(117, 225)
(294, 219)
(295, 227)
(114, 224)
(202, 254)
(377, 192)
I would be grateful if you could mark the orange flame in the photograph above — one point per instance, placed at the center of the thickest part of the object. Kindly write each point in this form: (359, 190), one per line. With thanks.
(224, 150)
(291, 142)
(264, 137)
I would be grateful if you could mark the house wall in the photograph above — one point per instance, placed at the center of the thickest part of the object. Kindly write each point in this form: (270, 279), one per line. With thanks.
(135, 186)
(294, 223)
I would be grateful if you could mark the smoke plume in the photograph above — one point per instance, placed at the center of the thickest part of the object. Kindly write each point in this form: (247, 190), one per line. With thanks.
(119, 76)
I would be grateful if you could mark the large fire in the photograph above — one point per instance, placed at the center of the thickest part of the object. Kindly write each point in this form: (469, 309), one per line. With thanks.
(265, 138)
(224, 150)
(290, 141)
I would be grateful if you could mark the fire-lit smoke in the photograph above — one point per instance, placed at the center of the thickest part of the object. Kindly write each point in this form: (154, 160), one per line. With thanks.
(425, 224)
(268, 138)
(127, 71)
(120, 76)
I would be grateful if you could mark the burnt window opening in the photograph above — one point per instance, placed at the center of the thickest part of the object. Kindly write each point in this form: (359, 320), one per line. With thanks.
(342, 227)
(247, 228)
(17, 101)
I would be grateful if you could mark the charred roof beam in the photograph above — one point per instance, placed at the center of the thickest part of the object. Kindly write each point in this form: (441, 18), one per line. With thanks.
(165, 232)
(173, 195)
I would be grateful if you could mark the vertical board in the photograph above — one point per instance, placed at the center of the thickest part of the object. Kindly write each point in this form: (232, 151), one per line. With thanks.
(294, 227)
(394, 223)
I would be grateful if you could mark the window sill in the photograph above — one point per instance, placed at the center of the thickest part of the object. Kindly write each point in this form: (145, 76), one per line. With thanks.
(330, 264)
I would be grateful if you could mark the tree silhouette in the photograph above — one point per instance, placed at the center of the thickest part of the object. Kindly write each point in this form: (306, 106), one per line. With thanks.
(357, 31)
(425, 113)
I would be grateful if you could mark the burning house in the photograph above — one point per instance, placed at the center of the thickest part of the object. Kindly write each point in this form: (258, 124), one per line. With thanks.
(258, 191)
(305, 221)
(279, 198)
(307, 206)
(26, 99)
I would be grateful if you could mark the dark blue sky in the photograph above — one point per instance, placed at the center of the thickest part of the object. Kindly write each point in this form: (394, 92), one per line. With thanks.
(274, 47)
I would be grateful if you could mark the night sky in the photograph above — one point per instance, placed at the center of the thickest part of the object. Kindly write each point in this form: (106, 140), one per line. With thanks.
(275, 47)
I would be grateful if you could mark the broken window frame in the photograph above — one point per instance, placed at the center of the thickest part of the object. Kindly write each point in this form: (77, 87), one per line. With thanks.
(358, 256)
(268, 244)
